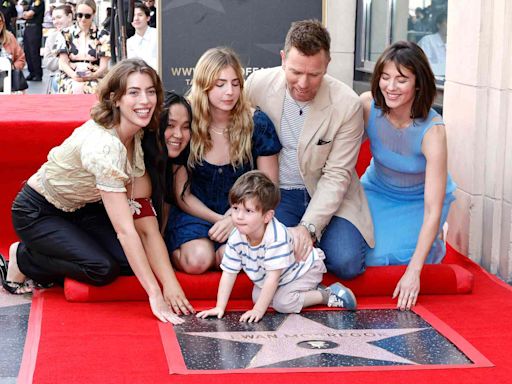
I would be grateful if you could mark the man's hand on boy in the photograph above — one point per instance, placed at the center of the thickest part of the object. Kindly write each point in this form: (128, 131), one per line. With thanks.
(220, 231)
(211, 312)
(252, 316)
(302, 242)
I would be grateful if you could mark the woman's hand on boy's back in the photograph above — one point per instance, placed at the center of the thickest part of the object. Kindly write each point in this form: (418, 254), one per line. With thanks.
(302, 242)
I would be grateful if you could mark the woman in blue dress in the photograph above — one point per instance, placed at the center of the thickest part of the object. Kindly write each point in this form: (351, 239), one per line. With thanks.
(228, 139)
(407, 184)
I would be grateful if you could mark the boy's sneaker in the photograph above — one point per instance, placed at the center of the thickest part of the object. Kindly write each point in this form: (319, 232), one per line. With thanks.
(341, 296)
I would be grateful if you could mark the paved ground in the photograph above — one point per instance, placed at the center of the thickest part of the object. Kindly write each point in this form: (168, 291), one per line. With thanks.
(14, 310)
(37, 87)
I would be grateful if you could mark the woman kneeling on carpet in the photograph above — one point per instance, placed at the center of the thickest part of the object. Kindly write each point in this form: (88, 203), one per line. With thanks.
(76, 214)
(407, 184)
(228, 140)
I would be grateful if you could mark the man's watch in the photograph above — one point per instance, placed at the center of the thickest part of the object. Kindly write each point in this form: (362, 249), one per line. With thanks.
(311, 229)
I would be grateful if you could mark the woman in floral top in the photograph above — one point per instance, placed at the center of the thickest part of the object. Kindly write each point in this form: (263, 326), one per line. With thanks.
(86, 213)
(84, 52)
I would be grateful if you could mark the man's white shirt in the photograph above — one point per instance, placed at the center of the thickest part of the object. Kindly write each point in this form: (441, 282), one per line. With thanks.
(144, 47)
(435, 49)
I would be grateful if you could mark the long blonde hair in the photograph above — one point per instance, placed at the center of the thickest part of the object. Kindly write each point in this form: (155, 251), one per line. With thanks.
(240, 128)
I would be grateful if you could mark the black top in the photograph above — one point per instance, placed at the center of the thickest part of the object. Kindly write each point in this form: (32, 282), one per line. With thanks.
(38, 7)
(152, 15)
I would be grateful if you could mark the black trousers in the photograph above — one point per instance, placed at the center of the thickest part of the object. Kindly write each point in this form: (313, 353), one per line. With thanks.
(56, 244)
(32, 47)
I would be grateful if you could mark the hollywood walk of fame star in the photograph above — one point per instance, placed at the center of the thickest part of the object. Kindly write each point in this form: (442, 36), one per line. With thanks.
(289, 340)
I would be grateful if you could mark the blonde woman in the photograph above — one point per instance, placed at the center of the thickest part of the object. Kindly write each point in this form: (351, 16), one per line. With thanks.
(228, 140)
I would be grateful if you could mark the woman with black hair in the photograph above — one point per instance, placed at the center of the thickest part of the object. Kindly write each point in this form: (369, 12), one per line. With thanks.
(164, 150)
(168, 147)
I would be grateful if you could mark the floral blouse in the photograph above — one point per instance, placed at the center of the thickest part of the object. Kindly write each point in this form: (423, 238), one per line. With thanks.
(98, 44)
(93, 158)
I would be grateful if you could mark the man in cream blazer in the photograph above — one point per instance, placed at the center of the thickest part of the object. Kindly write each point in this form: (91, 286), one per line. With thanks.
(319, 121)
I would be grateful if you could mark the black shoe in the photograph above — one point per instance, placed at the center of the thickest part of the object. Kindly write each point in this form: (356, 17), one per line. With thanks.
(30, 77)
(36, 78)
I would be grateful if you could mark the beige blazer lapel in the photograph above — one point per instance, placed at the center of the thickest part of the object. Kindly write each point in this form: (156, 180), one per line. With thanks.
(317, 114)
(275, 100)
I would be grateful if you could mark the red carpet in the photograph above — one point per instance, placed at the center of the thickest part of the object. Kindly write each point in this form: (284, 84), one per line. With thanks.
(119, 342)
(30, 125)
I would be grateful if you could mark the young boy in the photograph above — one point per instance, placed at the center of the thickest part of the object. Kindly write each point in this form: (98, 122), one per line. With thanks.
(262, 247)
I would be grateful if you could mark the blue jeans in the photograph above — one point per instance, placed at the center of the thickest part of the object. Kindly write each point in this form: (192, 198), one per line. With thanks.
(343, 245)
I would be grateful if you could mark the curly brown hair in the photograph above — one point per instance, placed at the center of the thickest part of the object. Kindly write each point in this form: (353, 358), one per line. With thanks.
(113, 86)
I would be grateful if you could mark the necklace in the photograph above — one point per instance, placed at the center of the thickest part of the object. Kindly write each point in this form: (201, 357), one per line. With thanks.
(301, 107)
(134, 205)
(217, 132)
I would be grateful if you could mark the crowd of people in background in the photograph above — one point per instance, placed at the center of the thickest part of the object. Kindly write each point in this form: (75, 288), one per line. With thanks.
(78, 73)
(76, 42)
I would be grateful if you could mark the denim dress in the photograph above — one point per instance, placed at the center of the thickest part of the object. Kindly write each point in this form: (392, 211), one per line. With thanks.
(211, 184)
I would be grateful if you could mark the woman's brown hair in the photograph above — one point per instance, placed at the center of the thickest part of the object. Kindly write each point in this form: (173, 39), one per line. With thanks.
(113, 86)
(407, 55)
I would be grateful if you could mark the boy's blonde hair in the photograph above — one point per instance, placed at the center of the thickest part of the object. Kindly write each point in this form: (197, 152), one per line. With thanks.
(255, 185)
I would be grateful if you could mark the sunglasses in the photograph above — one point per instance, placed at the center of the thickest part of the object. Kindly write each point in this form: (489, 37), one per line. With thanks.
(79, 15)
